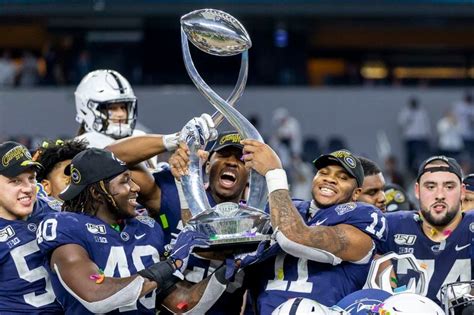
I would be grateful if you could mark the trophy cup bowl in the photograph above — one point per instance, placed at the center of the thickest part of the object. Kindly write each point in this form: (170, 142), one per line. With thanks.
(230, 226)
(215, 32)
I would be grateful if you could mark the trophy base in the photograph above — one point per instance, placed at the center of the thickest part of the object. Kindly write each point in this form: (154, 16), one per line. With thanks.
(240, 244)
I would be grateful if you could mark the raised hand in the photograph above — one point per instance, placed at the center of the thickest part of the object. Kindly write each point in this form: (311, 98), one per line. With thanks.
(185, 243)
(201, 129)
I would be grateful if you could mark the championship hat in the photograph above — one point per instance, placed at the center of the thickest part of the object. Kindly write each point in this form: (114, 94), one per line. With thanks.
(89, 167)
(15, 159)
(227, 139)
(345, 159)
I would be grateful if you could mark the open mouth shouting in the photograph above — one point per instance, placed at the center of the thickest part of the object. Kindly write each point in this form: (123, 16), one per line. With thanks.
(228, 178)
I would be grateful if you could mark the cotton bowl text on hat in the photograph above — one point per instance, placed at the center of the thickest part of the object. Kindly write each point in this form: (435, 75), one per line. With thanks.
(15, 159)
(89, 167)
(226, 139)
(345, 159)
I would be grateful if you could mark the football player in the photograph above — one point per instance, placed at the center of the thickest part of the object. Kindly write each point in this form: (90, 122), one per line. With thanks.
(106, 108)
(55, 157)
(227, 182)
(372, 190)
(327, 243)
(468, 201)
(104, 258)
(26, 286)
(439, 235)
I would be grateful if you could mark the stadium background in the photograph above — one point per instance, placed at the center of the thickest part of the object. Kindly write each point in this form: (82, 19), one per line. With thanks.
(343, 68)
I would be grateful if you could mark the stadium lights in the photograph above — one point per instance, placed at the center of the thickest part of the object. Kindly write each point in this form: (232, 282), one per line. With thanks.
(374, 70)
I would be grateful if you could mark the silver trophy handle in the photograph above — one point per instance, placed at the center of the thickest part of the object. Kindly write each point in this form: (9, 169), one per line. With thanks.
(257, 186)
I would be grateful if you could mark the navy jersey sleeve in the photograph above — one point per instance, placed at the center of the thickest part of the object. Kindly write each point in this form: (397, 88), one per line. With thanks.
(393, 219)
(59, 229)
(363, 216)
(370, 220)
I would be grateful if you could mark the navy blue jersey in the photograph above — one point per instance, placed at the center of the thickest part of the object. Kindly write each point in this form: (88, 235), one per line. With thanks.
(118, 254)
(284, 277)
(25, 283)
(446, 262)
(198, 269)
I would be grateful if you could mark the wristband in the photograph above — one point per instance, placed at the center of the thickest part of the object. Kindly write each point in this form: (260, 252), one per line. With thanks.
(171, 141)
(276, 179)
(182, 199)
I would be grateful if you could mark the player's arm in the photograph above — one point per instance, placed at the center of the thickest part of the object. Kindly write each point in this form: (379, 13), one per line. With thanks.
(331, 243)
(196, 298)
(343, 241)
(136, 149)
(81, 277)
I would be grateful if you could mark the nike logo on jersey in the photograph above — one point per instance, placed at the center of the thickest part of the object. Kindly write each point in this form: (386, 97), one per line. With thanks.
(137, 237)
(459, 248)
(319, 222)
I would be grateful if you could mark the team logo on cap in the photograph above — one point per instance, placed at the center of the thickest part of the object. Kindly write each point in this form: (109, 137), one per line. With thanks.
(75, 175)
(15, 153)
(346, 156)
(234, 138)
(350, 161)
(395, 195)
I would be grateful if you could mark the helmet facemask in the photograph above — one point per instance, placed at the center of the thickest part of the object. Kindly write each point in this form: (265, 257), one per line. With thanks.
(105, 116)
(457, 297)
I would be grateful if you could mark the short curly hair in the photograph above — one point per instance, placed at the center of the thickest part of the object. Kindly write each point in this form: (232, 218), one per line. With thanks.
(50, 153)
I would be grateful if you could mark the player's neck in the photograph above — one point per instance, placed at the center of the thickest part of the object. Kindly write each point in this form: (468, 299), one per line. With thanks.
(440, 233)
(106, 216)
(7, 215)
(219, 200)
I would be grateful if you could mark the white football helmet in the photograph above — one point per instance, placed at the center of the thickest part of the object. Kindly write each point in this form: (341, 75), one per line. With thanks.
(95, 92)
(457, 297)
(302, 306)
(408, 304)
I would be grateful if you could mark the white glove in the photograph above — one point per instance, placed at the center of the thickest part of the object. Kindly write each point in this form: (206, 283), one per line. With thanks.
(201, 128)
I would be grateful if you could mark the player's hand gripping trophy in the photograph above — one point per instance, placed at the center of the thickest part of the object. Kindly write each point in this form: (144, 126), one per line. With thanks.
(228, 225)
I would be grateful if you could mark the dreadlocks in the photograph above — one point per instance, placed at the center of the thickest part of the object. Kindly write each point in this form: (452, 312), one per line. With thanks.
(52, 152)
(86, 203)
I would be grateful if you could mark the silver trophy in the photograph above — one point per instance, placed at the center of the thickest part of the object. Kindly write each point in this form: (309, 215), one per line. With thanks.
(228, 224)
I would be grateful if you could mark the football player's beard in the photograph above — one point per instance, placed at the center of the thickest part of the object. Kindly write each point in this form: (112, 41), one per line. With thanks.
(118, 212)
(443, 221)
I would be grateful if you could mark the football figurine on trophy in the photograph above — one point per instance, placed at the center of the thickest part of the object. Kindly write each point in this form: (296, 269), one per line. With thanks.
(229, 225)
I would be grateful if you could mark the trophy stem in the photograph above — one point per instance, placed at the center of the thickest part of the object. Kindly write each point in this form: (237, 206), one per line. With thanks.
(257, 186)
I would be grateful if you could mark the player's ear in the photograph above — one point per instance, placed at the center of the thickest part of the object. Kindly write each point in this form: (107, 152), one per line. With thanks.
(47, 186)
(356, 193)
(95, 194)
(417, 190)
